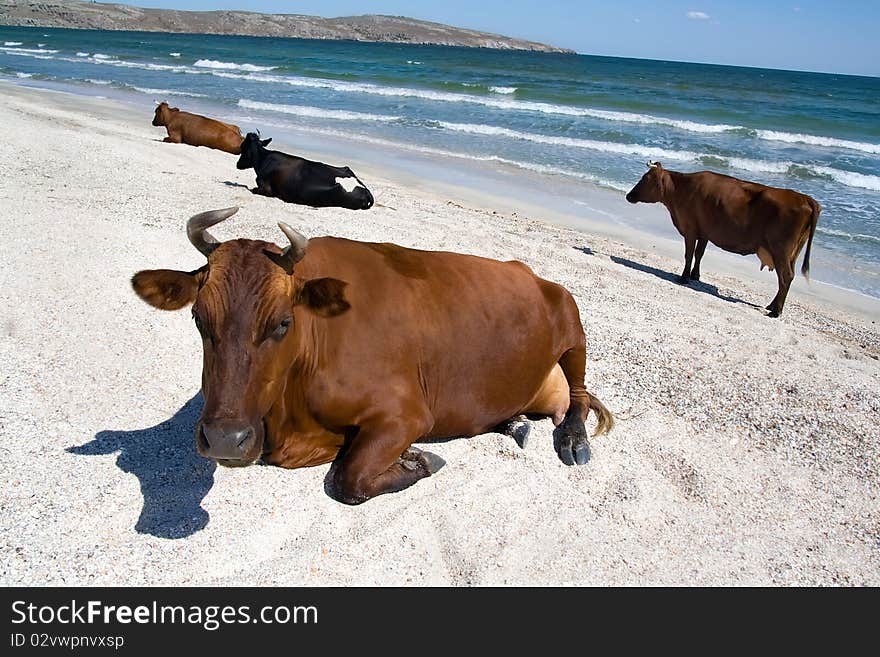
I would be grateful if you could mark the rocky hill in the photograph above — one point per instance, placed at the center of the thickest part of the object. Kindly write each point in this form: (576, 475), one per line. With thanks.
(393, 29)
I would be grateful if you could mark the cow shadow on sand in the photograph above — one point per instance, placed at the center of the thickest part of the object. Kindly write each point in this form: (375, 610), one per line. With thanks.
(698, 286)
(174, 479)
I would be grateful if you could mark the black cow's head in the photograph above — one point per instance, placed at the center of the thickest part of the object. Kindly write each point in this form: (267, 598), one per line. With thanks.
(650, 188)
(243, 302)
(250, 150)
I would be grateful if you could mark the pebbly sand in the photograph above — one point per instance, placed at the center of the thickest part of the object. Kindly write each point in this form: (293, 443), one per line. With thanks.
(746, 449)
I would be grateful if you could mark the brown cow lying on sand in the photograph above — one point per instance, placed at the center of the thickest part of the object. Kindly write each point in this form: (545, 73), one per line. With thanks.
(197, 130)
(737, 216)
(334, 348)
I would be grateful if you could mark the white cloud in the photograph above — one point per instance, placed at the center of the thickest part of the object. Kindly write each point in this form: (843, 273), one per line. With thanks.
(796, 8)
(698, 15)
(637, 20)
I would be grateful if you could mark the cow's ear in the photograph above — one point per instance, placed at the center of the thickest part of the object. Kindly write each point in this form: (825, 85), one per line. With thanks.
(266, 142)
(324, 296)
(166, 289)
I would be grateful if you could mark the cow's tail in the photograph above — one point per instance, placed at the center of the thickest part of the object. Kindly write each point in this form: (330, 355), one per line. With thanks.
(814, 219)
(604, 418)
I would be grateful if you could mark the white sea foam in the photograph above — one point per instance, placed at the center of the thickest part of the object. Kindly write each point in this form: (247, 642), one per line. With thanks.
(168, 92)
(12, 43)
(27, 51)
(40, 45)
(99, 55)
(550, 108)
(848, 178)
(316, 112)
(101, 82)
(174, 54)
(848, 236)
(571, 142)
(411, 61)
(813, 140)
(82, 54)
(231, 66)
(19, 74)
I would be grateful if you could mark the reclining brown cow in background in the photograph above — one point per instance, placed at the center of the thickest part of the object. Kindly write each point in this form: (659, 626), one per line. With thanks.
(197, 130)
(737, 216)
(332, 347)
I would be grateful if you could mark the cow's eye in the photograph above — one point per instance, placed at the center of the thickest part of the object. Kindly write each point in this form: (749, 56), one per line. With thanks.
(282, 328)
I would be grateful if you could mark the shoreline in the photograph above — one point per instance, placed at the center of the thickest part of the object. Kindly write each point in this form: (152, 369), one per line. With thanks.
(745, 450)
(644, 227)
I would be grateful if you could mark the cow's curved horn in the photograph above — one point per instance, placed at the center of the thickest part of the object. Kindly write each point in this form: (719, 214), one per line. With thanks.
(197, 229)
(296, 251)
(651, 164)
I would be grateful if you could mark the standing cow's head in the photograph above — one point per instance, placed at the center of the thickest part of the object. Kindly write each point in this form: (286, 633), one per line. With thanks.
(162, 112)
(243, 302)
(251, 148)
(651, 187)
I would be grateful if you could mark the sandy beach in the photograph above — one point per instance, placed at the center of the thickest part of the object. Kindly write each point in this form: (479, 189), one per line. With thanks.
(746, 449)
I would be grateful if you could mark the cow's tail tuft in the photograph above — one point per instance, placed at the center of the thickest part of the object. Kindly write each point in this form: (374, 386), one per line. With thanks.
(814, 219)
(604, 418)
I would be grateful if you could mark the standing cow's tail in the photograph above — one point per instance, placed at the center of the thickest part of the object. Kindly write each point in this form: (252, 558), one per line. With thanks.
(814, 219)
(604, 418)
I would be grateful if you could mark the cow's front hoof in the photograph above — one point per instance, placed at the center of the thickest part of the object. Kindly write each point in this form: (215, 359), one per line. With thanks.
(773, 313)
(414, 458)
(683, 280)
(573, 447)
(695, 278)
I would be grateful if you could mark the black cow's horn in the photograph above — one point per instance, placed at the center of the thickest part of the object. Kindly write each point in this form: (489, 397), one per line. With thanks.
(296, 251)
(197, 229)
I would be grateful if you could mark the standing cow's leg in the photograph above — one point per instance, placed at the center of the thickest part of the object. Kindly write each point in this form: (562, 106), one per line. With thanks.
(689, 245)
(785, 275)
(380, 460)
(698, 257)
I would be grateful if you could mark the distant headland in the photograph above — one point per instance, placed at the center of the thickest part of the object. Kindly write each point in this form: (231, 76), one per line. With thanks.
(387, 29)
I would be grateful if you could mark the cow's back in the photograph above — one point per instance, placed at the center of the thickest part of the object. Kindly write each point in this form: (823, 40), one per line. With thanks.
(738, 215)
(473, 337)
(198, 130)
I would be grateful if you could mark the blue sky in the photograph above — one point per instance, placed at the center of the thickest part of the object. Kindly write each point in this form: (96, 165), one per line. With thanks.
(832, 36)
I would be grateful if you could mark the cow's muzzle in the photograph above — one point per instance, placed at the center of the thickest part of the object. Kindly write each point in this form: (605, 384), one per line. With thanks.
(631, 198)
(229, 442)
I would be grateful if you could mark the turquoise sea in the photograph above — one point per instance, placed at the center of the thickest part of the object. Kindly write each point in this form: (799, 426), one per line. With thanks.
(573, 120)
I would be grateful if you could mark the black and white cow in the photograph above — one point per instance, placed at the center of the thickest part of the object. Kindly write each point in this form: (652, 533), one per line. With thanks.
(297, 180)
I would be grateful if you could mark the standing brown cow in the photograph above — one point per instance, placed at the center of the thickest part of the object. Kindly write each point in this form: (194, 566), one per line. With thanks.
(735, 215)
(197, 130)
(332, 345)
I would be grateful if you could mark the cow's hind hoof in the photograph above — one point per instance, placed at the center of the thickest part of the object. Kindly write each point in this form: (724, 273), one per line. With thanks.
(572, 446)
(773, 313)
(414, 458)
(517, 428)
(681, 280)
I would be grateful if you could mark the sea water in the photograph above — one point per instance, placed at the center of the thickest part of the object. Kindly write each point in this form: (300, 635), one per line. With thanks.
(576, 121)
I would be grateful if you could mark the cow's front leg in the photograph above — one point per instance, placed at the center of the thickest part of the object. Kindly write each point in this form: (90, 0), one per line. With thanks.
(263, 188)
(698, 258)
(380, 460)
(689, 246)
